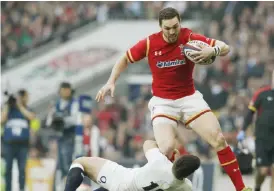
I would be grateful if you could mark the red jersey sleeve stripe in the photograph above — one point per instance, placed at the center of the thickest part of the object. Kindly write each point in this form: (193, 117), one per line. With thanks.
(258, 92)
(129, 56)
(148, 44)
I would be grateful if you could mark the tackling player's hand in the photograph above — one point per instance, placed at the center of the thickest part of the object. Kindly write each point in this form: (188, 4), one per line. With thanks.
(104, 90)
(203, 55)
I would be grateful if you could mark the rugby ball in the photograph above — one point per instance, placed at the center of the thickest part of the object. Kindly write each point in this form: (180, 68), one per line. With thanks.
(196, 45)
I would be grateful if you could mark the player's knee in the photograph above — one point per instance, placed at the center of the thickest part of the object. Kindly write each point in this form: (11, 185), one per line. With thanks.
(219, 143)
(167, 146)
(263, 171)
(82, 161)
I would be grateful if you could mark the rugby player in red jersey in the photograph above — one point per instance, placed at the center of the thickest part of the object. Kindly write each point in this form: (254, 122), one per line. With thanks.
(174, 96)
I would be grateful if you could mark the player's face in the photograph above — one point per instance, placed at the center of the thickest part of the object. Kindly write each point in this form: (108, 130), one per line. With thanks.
(171, 29)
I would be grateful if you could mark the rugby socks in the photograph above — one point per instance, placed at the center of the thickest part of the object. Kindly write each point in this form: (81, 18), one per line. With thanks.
(230, 164)
(75, 177)
(101, 189)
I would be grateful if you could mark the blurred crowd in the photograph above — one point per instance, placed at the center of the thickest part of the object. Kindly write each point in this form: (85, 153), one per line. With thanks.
(27, 25)
(230, 82)
(227, 85)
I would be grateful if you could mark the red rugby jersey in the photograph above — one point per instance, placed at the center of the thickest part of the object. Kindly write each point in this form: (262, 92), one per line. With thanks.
(171, 71)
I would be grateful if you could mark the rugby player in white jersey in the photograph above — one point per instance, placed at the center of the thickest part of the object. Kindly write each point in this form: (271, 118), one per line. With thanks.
(157, 175)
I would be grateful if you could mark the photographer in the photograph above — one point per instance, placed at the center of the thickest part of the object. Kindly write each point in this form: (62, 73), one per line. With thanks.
(16, 117)
(62, 119)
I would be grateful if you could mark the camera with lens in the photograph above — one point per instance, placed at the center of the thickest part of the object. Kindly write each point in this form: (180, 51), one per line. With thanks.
(58, 123)
(11, 100)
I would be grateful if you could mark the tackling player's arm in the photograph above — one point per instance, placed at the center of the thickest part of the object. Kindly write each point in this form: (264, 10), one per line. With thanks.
(134, 54)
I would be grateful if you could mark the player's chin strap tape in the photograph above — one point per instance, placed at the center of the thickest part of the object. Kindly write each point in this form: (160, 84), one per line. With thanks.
(217, 50)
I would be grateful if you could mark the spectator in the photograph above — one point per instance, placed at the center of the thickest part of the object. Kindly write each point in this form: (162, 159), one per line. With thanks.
(16, 117)
(63, 119)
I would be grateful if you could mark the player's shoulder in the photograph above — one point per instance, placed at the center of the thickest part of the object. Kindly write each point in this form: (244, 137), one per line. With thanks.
(185, 34)
(186, 30)
(262, 90)
(155, 36)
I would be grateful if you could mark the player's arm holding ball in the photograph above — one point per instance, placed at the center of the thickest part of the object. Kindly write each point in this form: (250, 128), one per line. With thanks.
(134, 54)
(216, 48)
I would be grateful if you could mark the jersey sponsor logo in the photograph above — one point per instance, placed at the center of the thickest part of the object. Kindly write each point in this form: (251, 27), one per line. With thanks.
(167, 64)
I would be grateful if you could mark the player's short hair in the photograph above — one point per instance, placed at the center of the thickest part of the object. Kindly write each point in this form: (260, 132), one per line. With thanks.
(168, 13)
(185, 166)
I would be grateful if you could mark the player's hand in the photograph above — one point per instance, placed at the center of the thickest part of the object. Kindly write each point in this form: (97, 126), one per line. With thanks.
(104, 90)
(203, 55)
(241, 136)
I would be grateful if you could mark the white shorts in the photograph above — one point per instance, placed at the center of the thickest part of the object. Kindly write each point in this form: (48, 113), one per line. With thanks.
(115, 177)
(185, 109)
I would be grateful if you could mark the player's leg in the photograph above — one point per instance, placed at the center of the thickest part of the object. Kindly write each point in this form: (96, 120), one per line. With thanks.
(164, 118)
(208, 127)
(262, 164)
(22, 156)
(83, 166)
(197, 115)
(272, 163)
(101, 189)
(261, 173)
(165, 135)
(9, 155)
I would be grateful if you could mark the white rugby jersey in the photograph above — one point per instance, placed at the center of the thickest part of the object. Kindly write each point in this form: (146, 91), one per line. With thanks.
(157, 175)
